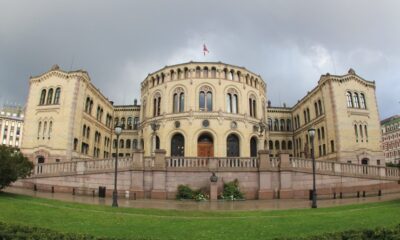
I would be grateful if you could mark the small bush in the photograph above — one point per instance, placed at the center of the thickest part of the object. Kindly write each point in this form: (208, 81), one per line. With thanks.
(232, 191)
(184, 192)
(19, 232)
(366, 234)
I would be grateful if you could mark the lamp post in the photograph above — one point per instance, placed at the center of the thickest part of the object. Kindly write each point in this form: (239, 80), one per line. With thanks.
(117, 131)
(311, 133)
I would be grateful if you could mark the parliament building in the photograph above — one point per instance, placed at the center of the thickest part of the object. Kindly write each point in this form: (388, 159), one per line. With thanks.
(200, 109)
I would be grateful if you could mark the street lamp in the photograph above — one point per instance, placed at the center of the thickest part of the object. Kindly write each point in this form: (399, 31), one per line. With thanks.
(311, 133)
(117, 131)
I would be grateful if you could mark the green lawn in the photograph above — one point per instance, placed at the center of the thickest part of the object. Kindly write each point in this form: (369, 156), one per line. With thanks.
(131, 223)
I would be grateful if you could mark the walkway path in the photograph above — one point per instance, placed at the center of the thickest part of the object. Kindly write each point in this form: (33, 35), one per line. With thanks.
(206, 205)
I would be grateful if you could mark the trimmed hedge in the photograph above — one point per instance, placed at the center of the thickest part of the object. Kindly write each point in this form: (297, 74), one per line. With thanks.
(19, 232)
(366, 234)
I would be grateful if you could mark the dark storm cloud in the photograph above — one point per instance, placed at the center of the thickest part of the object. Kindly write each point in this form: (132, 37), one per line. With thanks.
(289, 43)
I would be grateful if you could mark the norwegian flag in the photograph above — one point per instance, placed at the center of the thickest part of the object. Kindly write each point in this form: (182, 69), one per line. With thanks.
(205, 50)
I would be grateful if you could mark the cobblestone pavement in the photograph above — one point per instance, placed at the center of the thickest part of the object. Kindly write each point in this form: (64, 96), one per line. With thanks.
(205, 205)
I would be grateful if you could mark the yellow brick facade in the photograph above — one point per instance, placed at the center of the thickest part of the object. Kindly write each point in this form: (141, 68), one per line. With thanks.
(204, 109)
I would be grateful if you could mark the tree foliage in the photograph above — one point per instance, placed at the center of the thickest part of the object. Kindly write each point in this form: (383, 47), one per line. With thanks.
(13, 165)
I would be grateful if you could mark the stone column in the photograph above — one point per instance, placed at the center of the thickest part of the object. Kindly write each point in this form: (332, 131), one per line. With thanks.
(285, 190)
(266, 173)
(137, 183)
(159, 175)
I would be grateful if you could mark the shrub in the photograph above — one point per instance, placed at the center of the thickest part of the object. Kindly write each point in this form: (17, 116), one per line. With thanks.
(184, 192)
(19, 232)
(232, 191)
(13, 165)
(366, 234)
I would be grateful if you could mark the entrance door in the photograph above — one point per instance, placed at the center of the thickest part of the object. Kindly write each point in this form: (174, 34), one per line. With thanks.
(205, 146)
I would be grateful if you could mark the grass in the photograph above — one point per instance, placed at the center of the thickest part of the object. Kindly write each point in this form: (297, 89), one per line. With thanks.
(133, 223)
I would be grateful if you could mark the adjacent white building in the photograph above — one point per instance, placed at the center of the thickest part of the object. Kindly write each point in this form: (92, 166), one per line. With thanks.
(11, 125)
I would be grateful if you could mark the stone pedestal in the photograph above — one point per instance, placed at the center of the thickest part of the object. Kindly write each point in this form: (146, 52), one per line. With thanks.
(213, 191)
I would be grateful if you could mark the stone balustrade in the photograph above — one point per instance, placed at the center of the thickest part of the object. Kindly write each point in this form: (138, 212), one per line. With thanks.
(283, 163)
(187, 162)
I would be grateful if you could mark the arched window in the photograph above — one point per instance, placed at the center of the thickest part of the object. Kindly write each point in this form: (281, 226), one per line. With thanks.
(115, 143)
(320, 107)
(356, 132)
(252, 106)
(49, 96)
(283, 145)
(288, 125)
(308, 115)
(50, 129)
(276, 125)
(205, 72)
(178, 100)
(134, 144)
(57, 96)
(116, 122)
(173, 75)
(129, 123)
(121, 143)
(269, 124)
(253, 147)
(205, 99)
(225, 73)
(157, 143)
(44, 129)
(323, 132)
(362, 101)
(42, 97)
(213, 72)
(39, 129)
(232, 101)
(198, 72)
(178, 145)
(366, 133)
(238, 78)
(157, 105)
(186, 72)
(319, 134)
(290, 145)
(232, 146)
(128, 143)
(231, 75)
(87, 132)
(90, 106)
(84, 130)
(349, 99)
(122, 123)
(135, 123)
(277, 145)
(87, 104)
(282, 125)
(356, 101)
(316, 109)
(271, 145)
(179, 73)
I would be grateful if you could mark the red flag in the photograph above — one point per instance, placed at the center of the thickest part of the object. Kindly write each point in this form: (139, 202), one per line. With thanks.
(205, 50)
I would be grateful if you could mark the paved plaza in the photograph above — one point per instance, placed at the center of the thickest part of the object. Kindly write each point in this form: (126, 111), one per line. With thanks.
(205, 205)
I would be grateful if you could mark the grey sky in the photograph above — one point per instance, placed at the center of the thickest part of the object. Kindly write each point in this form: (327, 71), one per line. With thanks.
(289, 43)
